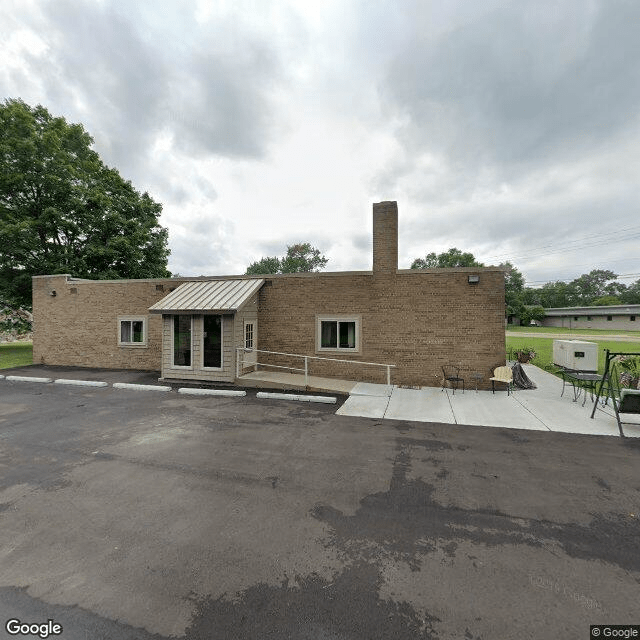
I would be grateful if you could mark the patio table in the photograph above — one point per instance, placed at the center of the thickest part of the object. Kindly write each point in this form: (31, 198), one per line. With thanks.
(581, 381)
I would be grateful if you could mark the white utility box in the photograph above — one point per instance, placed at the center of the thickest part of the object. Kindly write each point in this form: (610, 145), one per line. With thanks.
(576, 355)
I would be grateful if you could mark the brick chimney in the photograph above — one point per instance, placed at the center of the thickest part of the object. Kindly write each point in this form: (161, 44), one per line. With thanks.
(385, 237)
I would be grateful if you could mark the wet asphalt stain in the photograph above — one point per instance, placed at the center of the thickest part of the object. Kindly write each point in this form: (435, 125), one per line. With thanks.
(513, 436)
(405, 522)
(348, 607)
(429, 445)
(77, 623)
(600, 482)
(631, 443)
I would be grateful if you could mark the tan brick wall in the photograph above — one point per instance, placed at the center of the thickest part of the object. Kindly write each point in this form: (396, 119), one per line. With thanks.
(79, 325)
(385, 237)
(417, 320)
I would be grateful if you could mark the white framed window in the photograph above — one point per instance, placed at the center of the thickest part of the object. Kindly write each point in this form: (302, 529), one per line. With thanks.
(132, 331)
(182, 352)
(338, 333)
(248, 335)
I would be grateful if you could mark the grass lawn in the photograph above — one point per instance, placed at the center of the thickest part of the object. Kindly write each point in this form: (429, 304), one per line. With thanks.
(16, 354)
(544, 349)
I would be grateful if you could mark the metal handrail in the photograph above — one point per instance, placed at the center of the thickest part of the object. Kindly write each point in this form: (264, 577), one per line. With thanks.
(306, 363)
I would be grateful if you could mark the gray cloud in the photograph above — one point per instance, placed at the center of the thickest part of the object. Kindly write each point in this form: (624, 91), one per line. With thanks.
(221, 105)
(201, 245)
(362, 241)
(515, 86)
(127, 79)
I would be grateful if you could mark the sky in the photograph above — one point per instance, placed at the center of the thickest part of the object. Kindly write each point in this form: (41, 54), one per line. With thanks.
(507, 129)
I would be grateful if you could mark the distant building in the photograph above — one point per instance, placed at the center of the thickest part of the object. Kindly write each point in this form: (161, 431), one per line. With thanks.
(621, 316)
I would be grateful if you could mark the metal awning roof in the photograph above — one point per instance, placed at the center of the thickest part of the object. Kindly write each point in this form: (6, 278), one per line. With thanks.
(208, 296)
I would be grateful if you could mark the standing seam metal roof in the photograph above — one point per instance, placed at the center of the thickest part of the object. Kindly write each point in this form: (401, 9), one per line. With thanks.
(208, 295)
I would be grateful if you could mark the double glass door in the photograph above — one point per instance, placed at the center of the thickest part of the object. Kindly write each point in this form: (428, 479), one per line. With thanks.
(183, 329)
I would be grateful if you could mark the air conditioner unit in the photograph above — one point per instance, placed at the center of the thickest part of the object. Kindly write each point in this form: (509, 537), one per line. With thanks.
(576, 355)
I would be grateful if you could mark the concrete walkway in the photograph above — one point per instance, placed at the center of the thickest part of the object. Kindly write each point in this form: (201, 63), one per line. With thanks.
(540, 409)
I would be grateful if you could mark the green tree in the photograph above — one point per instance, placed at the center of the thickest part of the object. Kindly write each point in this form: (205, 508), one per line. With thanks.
(265, 265)
(555, 294)
(62, 210)
(631, 294)
(301, 257)
(513, 289)
(531, 312)
(606, 301)
(590, 286)
(451, 258)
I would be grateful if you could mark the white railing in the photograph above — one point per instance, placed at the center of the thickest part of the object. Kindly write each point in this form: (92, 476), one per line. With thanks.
(240, 351)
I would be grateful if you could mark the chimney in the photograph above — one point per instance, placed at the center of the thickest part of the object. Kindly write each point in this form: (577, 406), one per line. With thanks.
(385, 237)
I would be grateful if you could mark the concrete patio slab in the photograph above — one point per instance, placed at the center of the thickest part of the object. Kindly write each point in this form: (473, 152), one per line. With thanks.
(540, 409)
(428, 404)
(371, 389)
(495, 410)
(364, 406)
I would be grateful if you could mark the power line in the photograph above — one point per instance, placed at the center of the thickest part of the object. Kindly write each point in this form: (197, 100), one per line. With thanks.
(620, 277)
(602, 239)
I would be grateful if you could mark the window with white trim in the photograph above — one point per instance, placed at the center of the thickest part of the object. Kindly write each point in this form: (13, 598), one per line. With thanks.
(132, 331)
(248, 335)
(338, 333)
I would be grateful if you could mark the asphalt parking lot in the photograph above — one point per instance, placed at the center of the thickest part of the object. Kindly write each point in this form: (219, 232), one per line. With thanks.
(141, 515)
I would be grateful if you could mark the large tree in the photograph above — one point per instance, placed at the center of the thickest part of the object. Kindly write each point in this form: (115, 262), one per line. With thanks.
(513, 289)
(62, 210)
(593, 285)
(300, 257)
(451, 258)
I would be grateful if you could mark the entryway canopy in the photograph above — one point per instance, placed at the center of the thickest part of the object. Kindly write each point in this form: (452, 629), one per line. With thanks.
(208, 296)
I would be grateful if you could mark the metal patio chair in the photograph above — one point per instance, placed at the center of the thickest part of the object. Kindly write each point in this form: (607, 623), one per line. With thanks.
(451, 374)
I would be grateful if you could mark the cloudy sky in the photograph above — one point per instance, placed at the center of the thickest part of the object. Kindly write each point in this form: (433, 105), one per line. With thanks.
(508, 129)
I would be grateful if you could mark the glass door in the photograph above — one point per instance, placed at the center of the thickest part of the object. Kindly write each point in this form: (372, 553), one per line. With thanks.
(181, 341)
(212, 341)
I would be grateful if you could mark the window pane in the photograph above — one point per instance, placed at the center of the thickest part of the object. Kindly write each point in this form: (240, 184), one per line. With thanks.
(125, 331)
(212, 341)
(248, 336)
(329, 335)
(182, 341)
(137, 331)
(347, 335)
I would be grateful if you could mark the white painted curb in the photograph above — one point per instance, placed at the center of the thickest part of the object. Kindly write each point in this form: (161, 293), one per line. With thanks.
(28, 379)
(211, 392)
(140, 387)
(1, 377)
(82, 383)
(294, 396)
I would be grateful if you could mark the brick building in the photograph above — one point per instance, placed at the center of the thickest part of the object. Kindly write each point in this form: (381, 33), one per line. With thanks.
(191, 328)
